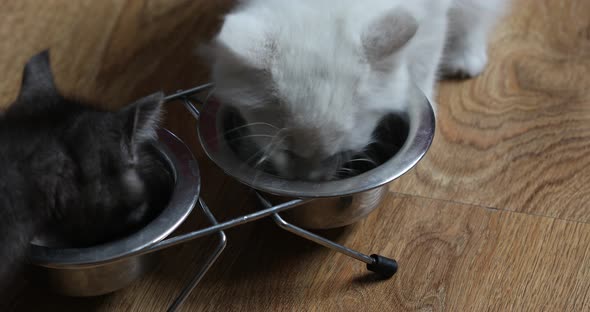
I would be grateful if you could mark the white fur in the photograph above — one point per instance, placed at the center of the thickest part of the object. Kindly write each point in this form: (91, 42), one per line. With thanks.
(324, 72)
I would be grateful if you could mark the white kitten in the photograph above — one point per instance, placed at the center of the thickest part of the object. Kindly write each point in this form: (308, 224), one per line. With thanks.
(315, 77)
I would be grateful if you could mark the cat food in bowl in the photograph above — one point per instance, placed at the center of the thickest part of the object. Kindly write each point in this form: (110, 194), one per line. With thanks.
(404, 138)
(104, 268)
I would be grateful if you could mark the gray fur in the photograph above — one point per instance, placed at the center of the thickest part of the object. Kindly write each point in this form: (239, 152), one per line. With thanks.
(65, 168)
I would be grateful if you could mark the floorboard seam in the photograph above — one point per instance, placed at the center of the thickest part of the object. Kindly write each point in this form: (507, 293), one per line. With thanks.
(450, 201)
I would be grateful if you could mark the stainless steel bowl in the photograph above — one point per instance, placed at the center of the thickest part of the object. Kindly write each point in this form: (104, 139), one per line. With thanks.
(105, 268)
(338, 202)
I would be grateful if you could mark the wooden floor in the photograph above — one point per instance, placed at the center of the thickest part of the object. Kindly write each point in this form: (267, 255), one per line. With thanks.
(495, 218)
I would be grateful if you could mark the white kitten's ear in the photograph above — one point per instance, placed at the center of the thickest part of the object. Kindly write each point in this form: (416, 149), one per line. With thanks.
(387, 34)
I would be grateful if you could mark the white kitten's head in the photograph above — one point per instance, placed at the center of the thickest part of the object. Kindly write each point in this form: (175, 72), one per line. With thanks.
(312, 93)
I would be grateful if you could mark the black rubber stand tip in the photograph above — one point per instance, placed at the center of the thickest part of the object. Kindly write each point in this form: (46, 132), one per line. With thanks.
(383, 266)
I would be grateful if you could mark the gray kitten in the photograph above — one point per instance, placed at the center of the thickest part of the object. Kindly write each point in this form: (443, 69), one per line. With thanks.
(71, 171)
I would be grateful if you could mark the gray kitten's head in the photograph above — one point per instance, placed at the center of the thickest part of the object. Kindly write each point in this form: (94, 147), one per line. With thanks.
(312, 90)
(114, 176)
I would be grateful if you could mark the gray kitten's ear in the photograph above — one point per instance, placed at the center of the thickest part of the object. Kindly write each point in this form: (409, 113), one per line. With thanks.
(37, 78)
(142, 118)
(387, 34)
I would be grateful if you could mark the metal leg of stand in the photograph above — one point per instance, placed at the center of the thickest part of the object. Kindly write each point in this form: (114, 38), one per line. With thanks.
(322, 241)
(169, 242)
(197, 278)
(381, 265)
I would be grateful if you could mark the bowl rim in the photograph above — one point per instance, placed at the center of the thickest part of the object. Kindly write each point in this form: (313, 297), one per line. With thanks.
(421, 121)
(184, 198)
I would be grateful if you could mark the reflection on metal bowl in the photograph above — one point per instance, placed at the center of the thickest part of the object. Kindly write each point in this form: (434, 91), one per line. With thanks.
(404, 137)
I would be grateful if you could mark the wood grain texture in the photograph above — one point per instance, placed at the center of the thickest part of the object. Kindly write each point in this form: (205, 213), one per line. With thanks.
(453, 257)
(493, 219)
(518, 137)
(105, 50)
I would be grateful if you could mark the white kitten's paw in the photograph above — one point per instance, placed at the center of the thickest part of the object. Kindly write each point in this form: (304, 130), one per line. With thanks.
(465, 64)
